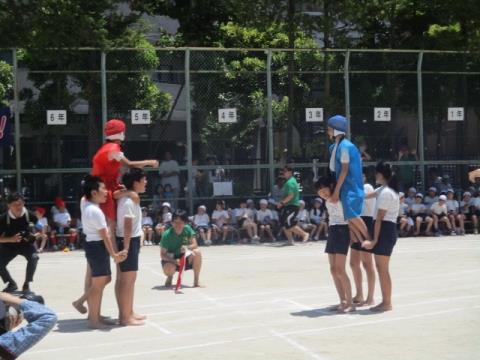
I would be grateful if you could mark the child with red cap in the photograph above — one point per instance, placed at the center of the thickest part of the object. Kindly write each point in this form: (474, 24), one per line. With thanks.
(106, 164)
(42, 228)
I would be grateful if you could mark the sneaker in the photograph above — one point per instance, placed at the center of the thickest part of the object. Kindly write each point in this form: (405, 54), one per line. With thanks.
(475, 231)
(26, 287)
(453, 232)
(72, 247)
(11, 287)
(208, 242)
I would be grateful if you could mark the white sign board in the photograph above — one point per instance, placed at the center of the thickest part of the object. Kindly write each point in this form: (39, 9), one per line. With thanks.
(222, 188)
(382, 114)
(56, 117)
(140, 117)
(227, 115)
(456, 114)
(314, 114)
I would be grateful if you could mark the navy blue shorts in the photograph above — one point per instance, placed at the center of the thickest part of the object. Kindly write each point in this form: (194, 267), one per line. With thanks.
(387, 239)
(131, 262)
(288, 215)
(368, 220)
(338, 240)
(98, 258)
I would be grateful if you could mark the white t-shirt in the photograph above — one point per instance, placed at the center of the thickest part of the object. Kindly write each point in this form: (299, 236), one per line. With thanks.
(93, 220)
(428, 201)
(369, 204)
(262, 214)
(169, 166)
(220, 217)
(275, 216)
(201, 220)
(387, 200)
(438, 209)
(418, 209)
(244, 213)
(116, 155)
(167, 217)
(62, 218)
(147, 220)
(452, 205)
(410, 201)
(302, 216)
(126, 208)
(42, 222)
(316, 216)
(403, 209)
(476, 202)
(335, 213)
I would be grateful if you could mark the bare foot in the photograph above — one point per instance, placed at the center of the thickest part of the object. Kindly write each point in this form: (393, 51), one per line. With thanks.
(197, 285)
(334, 307)
(358, 300)
(346, 308)
(80, 307)
(168, 282)
(97, 325)
(369, 302)
(305, 238)
(139, 316)
(107, 321)
(131, 322)
(381, 308)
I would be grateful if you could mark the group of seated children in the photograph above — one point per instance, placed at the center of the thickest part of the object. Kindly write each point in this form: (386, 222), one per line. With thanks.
(434, 215)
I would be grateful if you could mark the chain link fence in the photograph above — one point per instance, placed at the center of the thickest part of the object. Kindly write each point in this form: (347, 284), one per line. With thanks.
(418, 109)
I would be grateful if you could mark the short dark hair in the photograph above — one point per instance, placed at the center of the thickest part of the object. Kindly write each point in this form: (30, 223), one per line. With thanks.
(90, 183)
(387, 172)
(289, 167)
(132, 175)
(14, 197)
(325, 182)
(180, 214)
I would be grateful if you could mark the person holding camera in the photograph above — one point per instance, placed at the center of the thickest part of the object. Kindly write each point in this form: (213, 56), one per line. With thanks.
(17, 237)
(13, 310)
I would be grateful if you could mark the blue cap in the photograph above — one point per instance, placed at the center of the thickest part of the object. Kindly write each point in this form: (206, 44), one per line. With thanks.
(338, 122)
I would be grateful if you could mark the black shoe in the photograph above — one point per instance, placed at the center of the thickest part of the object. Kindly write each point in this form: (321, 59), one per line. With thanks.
(26, 287)
(11, 287)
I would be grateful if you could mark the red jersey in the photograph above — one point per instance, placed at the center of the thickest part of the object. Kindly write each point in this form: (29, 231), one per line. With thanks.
(106, 165)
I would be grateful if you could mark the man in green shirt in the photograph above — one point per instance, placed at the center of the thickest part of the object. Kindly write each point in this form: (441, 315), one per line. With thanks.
(176, 241)
(289, 206)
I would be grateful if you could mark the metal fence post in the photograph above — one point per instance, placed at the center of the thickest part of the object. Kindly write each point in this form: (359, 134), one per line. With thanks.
(421, 146)
(16, 109)
(346, 79)
(271, 165)
(103, 65)
(188, 120)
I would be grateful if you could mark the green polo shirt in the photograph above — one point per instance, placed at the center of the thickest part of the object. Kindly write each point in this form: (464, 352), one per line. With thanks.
(174, 242)
(291, 187)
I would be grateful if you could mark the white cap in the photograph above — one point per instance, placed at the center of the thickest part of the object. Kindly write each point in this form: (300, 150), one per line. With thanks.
(442, 197)
(301, 202)
(167, 204)
(250, 201)
(263, 202)
(401, 194)
(203, 207)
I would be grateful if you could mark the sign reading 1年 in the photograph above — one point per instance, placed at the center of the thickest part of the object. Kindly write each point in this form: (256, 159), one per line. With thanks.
(140, 117)
(314, 114)
(382, 114)
(227, 115)
(56, 117)
(456, 114)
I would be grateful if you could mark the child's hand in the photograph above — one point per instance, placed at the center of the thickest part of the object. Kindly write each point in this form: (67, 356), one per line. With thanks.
(334, 198)
(154, 163)
(367, 244)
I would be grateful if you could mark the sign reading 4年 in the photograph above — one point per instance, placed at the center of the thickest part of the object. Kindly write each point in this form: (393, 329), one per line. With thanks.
(227, 115)
(56, 117)
(314, 114)
(382, 114)
(456, 114)
(140, 117)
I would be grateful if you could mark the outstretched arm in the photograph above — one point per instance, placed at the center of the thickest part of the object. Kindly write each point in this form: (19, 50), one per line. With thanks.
(139, 164)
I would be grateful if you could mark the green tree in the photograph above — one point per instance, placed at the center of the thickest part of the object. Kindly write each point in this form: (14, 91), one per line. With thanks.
(6, 82)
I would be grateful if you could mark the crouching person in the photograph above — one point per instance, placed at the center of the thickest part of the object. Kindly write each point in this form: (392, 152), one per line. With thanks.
(12, 312)
(180, 240)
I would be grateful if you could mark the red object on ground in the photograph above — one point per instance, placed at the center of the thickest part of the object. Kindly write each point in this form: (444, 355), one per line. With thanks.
(180, 271)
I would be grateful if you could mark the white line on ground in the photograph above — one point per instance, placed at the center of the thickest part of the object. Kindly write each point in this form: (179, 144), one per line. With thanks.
(297, 345)
(158, 327)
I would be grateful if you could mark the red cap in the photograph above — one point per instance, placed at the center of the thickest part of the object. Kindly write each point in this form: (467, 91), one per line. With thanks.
(114, 126)
(59, 203)
(40, 210)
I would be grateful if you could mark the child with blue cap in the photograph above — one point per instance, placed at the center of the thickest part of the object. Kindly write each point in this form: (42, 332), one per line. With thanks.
(346, 163)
